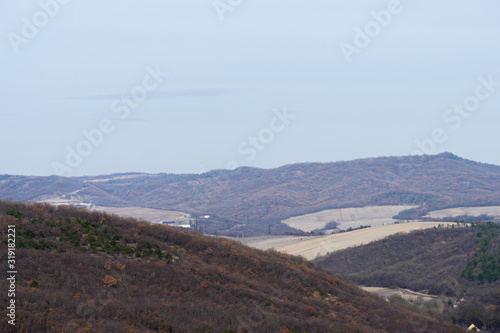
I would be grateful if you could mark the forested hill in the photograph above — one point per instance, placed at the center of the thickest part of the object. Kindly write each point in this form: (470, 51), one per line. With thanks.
(258, 196)
(79, 271)
(459, 263)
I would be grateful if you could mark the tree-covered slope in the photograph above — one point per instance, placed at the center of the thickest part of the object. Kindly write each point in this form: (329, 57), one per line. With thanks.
(250, 199)
(83, 272)
(461, 263)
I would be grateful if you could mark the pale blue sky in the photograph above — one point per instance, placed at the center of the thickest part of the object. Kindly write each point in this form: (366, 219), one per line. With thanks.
(225, 78)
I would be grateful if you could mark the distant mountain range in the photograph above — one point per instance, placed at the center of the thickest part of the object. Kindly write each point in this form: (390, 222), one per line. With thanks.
(255, 199)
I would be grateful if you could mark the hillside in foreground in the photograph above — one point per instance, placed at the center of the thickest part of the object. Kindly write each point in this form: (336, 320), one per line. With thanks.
(82, 272)
(460, 263)
(254, 201)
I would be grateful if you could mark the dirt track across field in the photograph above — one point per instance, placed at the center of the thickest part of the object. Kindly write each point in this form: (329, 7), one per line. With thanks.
(313, 247)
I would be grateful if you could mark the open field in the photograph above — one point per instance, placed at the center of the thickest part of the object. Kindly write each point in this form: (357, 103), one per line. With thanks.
(148, 214)
(98, 180)
(142, 213)
(347, 217)
(471, 211)
(407, 294)
(313, 247)
(439, 303)
(269, 242)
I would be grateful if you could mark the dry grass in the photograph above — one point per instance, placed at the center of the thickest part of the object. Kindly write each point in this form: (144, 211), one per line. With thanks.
(407, 294)
(471, 211)
(314, 247)
(347, 217)
(99, 180)
(148, 214)
(268, 242)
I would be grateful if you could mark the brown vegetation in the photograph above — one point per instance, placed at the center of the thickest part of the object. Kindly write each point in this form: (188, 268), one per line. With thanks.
(77, 274)
(255, 200)
(461, 262)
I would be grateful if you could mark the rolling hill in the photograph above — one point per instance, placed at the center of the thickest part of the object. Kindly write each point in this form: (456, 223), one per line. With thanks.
(459, 262)
(256, 200)
(79, 271)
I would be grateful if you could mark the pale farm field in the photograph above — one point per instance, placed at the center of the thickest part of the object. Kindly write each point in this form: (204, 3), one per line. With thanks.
(116, 178)
(407, 294)
(316, 246)
(141, 213)
(347, 217)
(148, 214)
(471, 211)
(269, 242)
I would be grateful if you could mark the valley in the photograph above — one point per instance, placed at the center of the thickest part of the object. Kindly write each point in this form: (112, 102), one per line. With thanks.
(88, 271)
(261, 239)
(457, 264)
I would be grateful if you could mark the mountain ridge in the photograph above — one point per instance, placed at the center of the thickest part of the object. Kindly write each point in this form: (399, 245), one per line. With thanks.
(252, 199)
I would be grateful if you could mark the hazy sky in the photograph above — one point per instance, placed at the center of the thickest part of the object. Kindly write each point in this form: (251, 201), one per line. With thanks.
(92, 87)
